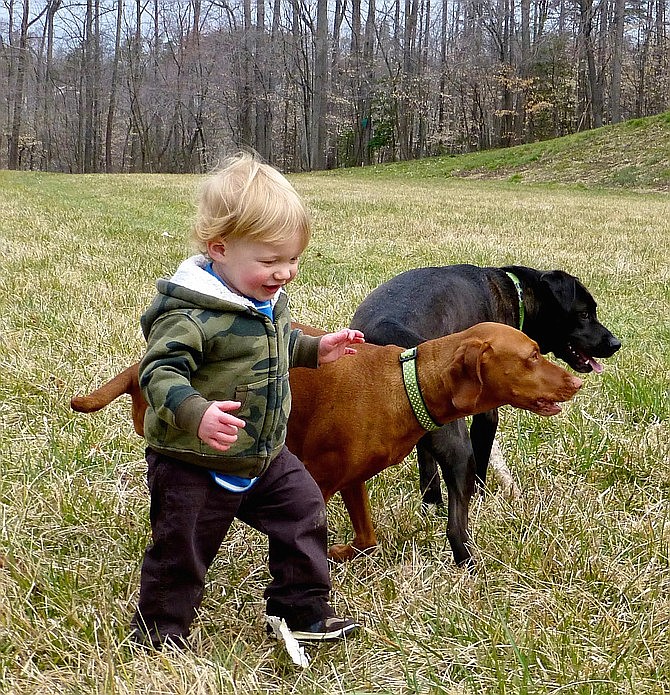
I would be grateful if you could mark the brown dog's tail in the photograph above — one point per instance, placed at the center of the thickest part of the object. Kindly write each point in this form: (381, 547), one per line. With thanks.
(125, 382)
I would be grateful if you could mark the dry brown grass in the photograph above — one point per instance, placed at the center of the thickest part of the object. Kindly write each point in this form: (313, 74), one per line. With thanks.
(571, 595)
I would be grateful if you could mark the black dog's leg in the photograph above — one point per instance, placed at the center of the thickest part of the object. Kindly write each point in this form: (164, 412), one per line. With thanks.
(450, 448)
(482, 433)
(458, 472)
(429, 476)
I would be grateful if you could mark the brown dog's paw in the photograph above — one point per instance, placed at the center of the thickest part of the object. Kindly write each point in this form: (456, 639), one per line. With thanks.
(343, 552)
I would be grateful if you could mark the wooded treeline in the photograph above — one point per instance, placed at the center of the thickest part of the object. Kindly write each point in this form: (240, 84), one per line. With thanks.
(168, 85)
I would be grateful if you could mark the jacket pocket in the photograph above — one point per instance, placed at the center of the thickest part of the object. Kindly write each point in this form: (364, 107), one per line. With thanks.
(254, 398)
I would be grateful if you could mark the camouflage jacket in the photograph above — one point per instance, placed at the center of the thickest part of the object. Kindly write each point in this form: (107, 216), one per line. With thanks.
(205, 344)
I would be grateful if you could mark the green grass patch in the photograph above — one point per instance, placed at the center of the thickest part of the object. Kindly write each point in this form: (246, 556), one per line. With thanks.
(633, 154)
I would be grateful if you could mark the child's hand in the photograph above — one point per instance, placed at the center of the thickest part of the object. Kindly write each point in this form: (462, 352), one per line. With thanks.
(218, 428)
(334, 345)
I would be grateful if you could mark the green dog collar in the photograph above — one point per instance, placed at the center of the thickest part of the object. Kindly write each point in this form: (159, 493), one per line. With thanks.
(519, 292)
(410, 379)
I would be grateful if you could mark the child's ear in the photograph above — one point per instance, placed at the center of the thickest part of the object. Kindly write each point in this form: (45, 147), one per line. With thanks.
(216, 250)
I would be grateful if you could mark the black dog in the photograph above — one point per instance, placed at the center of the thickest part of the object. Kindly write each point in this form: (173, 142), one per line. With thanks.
(553, 308)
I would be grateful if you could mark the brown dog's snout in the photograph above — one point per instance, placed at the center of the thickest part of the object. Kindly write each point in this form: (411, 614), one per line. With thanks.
(571, 384)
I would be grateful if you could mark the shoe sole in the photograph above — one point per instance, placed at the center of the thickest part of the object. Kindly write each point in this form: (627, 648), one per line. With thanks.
(324, 636)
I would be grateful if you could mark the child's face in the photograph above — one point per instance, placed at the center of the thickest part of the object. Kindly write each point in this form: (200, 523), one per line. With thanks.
(253, 268)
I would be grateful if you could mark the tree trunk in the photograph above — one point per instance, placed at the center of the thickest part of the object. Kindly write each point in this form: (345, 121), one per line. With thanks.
(44, 110)
(320, 88)
(409, 70)
(17, 92)
(617, 51)
(136, 127)
(523, 71)
(246, 89)
(263, 78)
(111, 108)
(89, 102)
(594, 103)
(368, 69)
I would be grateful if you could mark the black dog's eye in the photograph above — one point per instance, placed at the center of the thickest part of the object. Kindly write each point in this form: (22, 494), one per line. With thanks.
(583, 315)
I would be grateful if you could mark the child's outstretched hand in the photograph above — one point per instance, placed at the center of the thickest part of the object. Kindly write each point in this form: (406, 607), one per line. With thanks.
(218, 428)
(334, 345)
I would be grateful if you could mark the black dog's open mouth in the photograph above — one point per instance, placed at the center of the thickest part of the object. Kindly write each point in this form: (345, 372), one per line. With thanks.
(580, 361)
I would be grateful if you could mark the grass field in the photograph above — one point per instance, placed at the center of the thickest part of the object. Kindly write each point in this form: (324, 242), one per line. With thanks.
(572, 593)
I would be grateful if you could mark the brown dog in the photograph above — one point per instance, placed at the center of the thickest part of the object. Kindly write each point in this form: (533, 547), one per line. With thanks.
(352, 419)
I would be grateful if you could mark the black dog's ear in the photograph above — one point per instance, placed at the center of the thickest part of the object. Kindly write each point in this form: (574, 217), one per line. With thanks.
(562, 286)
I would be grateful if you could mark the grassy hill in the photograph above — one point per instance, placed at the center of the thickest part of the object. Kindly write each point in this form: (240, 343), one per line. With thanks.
(634, 154)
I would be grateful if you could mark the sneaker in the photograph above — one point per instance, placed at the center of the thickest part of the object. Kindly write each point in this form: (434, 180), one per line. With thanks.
(330, 628)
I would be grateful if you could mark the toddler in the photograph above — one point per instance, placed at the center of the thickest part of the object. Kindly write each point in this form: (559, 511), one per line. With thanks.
(215, 376)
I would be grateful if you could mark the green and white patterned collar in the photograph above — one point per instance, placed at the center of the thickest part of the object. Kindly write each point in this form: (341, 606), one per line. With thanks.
(410, 379)
(519, 292)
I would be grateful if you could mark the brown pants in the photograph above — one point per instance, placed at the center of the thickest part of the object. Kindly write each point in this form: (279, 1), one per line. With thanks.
(190, 516)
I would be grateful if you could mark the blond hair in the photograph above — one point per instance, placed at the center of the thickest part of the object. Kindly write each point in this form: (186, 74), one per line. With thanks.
(247, 198)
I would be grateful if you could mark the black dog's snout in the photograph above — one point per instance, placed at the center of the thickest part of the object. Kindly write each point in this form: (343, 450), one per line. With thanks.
(609, 346)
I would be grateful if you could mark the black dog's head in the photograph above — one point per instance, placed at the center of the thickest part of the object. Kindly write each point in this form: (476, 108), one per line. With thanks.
(571, 330)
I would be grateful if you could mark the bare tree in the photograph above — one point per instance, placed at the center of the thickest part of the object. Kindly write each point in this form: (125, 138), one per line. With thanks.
(17, 88)
(592, 99)
(319, 88)
(617, 57)
(90, 112)
(45, 98)
(113, 89)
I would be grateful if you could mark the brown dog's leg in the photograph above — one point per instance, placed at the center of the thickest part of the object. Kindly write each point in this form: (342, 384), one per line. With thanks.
(125, 382)
(357, 502)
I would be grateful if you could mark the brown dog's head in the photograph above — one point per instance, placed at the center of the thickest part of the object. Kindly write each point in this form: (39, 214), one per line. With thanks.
(499, 365)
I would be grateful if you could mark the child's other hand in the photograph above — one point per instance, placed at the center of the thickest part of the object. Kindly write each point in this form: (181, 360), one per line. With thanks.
(218, 428)
(334, 345)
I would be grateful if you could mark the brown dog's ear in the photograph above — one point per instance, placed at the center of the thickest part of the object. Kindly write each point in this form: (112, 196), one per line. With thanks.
(466, 374)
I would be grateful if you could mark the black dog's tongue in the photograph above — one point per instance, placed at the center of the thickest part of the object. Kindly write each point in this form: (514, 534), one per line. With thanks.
(585, 359)
(592, 362)
(595, 365)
